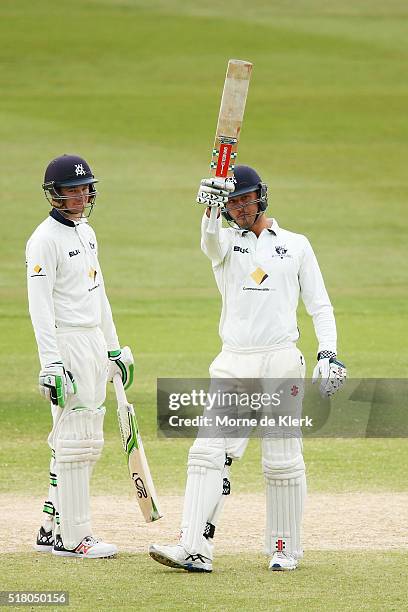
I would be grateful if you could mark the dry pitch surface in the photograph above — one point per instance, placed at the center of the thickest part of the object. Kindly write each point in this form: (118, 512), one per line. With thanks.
(343, 521)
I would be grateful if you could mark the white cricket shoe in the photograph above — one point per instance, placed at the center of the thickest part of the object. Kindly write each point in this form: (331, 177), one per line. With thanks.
(89, 548)
(178, 557)
(282, 562)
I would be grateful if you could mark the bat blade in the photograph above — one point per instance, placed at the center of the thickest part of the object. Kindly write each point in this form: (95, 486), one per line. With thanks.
(229, 124)
(136, 457)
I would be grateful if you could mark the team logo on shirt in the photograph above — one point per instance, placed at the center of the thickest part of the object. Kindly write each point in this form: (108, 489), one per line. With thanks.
(281, 251)
(37, 271)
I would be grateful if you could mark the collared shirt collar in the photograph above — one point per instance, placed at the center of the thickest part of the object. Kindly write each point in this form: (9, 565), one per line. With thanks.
(274, 229)
(55, 214)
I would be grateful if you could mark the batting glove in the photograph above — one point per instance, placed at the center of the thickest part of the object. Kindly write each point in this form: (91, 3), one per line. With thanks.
(332, 371)
(121, 362)
(215, 191)
(55, 383)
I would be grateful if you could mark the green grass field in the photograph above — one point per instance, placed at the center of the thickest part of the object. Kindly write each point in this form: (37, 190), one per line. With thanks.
(134, 87)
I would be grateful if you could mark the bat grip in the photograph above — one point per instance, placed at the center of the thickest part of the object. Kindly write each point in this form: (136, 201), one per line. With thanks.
(119, 390)
(212, 224)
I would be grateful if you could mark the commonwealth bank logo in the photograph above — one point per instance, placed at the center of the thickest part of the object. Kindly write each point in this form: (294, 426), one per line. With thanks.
(92, 274)
(38, 271)
(259, 276)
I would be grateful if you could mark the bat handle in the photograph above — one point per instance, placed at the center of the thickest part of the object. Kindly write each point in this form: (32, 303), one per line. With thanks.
(212, 224)
(119, 390)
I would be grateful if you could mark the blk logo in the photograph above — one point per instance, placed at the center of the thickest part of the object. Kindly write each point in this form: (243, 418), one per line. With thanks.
(240, 249)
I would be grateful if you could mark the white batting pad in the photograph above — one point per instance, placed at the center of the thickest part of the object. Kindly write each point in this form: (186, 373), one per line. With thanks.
(78, 444)
(97, 435)
(284, 471)
(203, 492)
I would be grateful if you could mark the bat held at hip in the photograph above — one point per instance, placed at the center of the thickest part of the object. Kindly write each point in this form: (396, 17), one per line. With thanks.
(137, 462)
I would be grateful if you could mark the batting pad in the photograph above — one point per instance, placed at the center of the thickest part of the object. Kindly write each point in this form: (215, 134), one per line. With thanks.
(78, 444)
(203, 493)
(284, 471)
(97, 435)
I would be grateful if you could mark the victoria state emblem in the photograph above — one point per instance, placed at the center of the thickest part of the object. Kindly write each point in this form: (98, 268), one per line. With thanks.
(281, 251)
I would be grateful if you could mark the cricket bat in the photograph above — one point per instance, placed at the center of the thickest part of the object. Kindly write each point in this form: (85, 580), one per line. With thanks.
(229, 125)
(136, 458)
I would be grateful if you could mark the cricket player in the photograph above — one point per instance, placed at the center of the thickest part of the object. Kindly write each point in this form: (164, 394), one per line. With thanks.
(261, 270)
(78, 349)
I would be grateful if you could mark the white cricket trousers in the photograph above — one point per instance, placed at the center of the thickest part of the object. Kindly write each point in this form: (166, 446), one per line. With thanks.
(282, 462)
(269, 363)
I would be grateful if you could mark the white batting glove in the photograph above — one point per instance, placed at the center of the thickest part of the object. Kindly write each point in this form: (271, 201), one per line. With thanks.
(332, 371)
(215, 191)
(121, 362)
(55, 383)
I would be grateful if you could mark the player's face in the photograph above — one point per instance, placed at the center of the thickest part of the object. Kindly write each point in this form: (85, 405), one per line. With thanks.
(78, 197)
(243, 209)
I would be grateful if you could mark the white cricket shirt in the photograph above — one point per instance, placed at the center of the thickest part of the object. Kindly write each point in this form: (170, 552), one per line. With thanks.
(65, 284)
(260, 281)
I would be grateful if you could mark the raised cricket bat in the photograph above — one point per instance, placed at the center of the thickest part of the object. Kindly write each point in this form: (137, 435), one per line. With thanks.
(229, 125)
(136, 458)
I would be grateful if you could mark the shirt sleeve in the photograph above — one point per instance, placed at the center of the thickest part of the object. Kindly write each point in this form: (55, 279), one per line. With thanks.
(215, 246)
(107, 325)
(41, 261)
(317, 301)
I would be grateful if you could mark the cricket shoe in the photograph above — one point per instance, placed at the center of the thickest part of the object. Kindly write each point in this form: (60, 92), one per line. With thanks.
(178, 557)
(89, 548)
(282, 562)
(45, 541)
